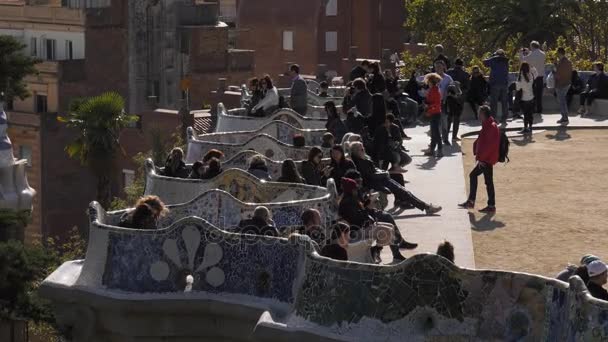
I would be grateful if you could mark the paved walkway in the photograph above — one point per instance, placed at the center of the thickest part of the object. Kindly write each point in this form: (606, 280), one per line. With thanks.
(442, 182)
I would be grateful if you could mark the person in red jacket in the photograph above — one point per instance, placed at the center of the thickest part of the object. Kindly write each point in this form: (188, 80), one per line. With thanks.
(486, 150)
(433, 111)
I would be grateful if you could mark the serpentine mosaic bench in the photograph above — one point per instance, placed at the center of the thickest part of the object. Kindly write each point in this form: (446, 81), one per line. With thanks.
(313, 98)
(237, 120)
(239, 183)
(241, 161)
(277, 289)
(262, 143)
(225, 211)
(280, 130)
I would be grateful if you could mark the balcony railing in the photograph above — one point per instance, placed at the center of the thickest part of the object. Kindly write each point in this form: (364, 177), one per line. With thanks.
(42, 14)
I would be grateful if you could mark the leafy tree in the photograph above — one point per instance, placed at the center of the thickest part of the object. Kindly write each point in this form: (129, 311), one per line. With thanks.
(22, 270)
(99, 121)
(14, 67)
(542, 20)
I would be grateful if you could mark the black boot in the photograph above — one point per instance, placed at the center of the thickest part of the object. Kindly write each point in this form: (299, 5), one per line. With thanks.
(397, 256)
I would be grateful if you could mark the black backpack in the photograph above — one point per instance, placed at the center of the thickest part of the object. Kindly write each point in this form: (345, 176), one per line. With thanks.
(503, 147)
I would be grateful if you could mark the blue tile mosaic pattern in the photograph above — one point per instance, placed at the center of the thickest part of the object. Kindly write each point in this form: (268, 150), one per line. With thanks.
(256, 266)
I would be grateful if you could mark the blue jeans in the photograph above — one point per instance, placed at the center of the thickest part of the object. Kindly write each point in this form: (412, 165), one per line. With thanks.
(563, 101)
(498, 92)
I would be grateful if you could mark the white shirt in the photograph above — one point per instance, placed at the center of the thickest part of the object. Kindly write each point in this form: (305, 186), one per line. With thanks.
(536, 59)
(271, 99)
(527, 93)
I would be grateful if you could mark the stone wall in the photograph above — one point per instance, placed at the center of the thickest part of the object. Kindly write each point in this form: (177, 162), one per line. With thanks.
(307, 296)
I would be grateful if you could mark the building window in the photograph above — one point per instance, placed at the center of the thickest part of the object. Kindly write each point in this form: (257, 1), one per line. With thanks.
(331, 8)
(50, 45)
(331, 41)
(33, 46)
(25, 152)
(128, 177)
(69, 50)
(288, 40)
(41, 104)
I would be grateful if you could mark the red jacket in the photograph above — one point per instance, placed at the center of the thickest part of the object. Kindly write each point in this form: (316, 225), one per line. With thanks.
(487, 145)
(433, 100)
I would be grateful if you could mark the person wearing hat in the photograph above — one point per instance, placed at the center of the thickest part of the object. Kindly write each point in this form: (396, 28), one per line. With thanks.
(499, 83)
(598, 276)
(353, 211)
(570, 270)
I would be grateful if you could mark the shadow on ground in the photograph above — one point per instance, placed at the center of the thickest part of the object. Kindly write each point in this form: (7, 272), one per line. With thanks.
(561, 134)
(486, 222)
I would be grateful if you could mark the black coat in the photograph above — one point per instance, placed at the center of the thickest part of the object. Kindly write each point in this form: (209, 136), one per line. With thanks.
(478, 89)
(355, 123)
(334, 251)
(180, 172)
(357, 72)
(385, 144)
(363, 102)
(368, 170)
(460, 76)
(377, 84)
(312, 174)
(352, 211)
(339, 170)
(208, 174)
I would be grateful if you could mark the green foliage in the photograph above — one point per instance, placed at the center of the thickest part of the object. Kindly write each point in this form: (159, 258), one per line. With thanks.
(22, 269)
(161, 145)
(473, 29)
(14, 67)
(99, 120)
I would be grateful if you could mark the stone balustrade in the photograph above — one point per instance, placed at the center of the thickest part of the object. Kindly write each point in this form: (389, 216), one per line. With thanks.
(237, 120)
(264, 144)
(279, 130)
(190, 274)
(239, 183)
(225, 210)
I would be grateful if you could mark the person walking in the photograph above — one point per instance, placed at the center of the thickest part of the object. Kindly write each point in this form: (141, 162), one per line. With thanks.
(563, 80)
(444, 84)
(455, 99)
(537, 60)
(433, 111)
(441, 57)
(499, 83)
(486, 150)
(525, 83)
(299, 91)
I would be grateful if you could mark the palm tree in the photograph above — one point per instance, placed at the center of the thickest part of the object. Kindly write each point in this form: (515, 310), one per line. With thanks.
(526, 20)
(99, 121)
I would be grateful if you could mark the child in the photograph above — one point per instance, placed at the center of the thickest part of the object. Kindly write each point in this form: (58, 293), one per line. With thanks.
(433, 111)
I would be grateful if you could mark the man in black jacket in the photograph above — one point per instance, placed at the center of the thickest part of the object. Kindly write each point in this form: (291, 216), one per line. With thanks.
(360, 71)
(362, 98)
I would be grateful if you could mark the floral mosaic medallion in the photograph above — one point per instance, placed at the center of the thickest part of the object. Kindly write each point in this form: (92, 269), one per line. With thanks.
(204, 268)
